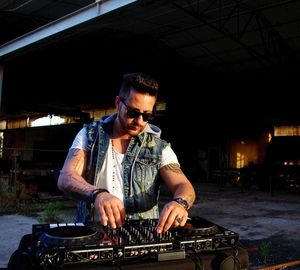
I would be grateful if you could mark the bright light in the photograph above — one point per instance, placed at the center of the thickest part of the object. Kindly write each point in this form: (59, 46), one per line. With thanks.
(269, 137)
(47, 121)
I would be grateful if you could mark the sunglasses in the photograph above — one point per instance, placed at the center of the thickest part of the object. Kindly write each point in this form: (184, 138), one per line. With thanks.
(134, 113)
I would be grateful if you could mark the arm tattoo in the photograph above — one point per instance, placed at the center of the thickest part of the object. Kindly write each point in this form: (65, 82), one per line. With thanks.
(174, 167)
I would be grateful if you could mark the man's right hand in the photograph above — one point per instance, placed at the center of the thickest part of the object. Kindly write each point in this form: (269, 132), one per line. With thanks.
(110, 210)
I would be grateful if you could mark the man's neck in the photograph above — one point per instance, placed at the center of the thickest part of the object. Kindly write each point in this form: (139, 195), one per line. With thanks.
(118, 132)
(119, 139)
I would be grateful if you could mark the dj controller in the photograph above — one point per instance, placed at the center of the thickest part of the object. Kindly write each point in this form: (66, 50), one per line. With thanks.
(54, 245)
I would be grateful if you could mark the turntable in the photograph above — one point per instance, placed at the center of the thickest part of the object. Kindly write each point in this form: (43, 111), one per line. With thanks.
(57, 244)
(69, 235)
(200, 235)
(200, 226)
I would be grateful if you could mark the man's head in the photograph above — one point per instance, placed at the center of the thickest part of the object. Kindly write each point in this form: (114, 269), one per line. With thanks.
(136, 101)
(140, 82)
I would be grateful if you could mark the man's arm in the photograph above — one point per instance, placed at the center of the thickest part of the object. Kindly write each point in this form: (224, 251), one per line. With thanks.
(181, 187)
(107, 206)
(71, 179)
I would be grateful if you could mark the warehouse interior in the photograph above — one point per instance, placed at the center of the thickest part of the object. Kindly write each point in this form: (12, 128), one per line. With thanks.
(228, 73)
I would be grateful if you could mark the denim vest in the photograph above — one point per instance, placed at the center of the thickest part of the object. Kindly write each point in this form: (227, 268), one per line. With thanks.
(141, 164)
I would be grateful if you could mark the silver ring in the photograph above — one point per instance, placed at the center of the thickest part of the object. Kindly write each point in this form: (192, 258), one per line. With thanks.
(179, 219)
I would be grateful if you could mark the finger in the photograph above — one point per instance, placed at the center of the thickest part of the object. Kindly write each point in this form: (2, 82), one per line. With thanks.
(103, 216)
(117, 215)
(166, 219)
(169, 221)
(182, 223)
(162, 221)
(111, 217)
(122, 214)
(179, 220)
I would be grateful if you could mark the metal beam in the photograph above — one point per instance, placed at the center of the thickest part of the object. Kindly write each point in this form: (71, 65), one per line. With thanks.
(228, 22)
(1, 84)
(73, 19)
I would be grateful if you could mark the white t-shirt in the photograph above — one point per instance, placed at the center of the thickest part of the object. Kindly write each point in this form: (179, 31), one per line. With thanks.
(111, 173)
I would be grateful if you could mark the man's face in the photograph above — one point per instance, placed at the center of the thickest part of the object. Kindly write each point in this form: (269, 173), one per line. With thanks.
(131, 120)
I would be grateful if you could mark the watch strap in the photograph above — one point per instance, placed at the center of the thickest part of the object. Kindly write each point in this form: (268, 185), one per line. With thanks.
(182, 202)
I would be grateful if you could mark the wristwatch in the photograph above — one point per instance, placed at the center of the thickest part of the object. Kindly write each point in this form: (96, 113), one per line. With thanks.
(182, 202)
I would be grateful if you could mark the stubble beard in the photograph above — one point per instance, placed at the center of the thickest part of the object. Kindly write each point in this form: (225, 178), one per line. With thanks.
(130, 128)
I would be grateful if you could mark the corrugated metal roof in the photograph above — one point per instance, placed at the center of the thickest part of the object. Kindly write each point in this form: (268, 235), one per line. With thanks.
(220, 37)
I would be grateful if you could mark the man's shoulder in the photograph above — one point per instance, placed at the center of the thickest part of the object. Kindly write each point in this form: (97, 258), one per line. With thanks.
(94, 125)
(101, 121)
(92, 128)
(91, 132)
(154, 134)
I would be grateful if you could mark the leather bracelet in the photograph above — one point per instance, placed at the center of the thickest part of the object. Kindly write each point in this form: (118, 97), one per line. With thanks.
(96, 192)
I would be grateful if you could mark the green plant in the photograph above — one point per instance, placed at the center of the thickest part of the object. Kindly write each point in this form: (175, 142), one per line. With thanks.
(264, 250)
(51, 212)
(8, 200)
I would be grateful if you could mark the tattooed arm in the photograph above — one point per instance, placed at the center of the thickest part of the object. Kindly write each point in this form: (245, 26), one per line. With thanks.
(71, 179)
(178, 183)
(108, 208)
(181, 187)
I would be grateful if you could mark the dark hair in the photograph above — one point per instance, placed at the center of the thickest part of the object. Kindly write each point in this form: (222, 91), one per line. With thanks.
(140, 82)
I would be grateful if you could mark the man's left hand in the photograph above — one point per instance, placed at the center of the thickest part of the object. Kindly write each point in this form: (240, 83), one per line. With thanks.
(172, 215)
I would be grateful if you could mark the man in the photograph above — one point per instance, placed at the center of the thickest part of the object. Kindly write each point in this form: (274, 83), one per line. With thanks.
(113, 164)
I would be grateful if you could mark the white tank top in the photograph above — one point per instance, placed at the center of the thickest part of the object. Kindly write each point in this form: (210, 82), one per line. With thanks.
(111, 173)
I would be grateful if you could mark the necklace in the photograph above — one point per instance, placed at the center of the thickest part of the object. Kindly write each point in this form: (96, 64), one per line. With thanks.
(114, 167)
(115, 179)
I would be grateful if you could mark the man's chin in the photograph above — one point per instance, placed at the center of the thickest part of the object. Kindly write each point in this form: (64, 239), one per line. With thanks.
(134, 131)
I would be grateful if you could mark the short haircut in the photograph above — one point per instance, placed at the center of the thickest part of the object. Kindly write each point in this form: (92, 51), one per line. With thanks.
(140, 82)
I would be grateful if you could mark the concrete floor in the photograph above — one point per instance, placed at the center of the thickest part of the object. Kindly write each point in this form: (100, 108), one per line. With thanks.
(257, 217)
(254, 215)
(12, 228)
